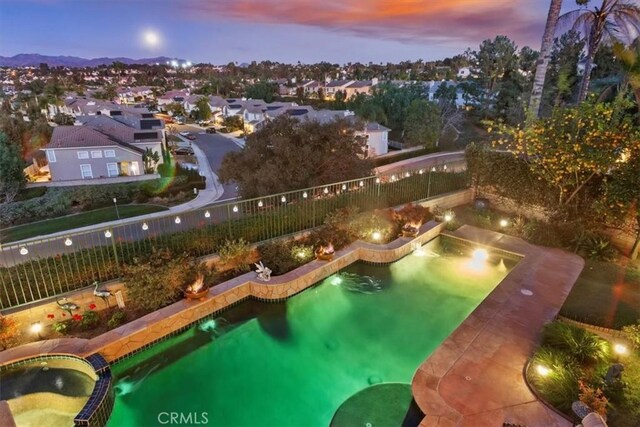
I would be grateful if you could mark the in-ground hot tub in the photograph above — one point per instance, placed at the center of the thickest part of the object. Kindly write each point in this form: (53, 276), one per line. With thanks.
(55, 390)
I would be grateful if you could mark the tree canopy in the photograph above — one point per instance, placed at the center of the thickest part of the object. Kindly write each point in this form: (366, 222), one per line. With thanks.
(287, 154)
(12, 177)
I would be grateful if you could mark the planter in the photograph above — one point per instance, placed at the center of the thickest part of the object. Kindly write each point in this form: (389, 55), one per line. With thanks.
(197, 295)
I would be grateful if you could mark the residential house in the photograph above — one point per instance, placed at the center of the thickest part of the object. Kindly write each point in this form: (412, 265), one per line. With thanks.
(102, 147)
(431, 87)
(173, 96)
(360, 86)
(332, 87)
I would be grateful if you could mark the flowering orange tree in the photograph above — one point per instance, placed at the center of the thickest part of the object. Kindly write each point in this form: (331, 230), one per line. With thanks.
(620, 202)
(574, 147)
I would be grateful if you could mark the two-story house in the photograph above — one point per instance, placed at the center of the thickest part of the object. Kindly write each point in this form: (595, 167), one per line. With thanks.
(103, 147)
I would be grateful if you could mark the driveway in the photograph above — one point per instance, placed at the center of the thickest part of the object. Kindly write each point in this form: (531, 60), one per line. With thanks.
(215, 147)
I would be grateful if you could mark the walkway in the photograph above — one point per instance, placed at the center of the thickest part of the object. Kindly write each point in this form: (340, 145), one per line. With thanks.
(475, 377)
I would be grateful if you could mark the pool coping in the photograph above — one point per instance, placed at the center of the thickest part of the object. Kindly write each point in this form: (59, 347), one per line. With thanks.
(476, 376)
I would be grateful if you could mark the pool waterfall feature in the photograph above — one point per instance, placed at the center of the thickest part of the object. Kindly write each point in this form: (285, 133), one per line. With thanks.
(295, 362)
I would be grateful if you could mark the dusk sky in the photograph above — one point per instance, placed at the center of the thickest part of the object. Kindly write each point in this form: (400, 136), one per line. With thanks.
(219, 31)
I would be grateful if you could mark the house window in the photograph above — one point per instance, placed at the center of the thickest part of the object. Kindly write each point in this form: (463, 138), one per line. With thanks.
(51, 156)
(97, 154)
(85, 171)
(112, 169)
(109, 153)
(135, 169)
(83, 154)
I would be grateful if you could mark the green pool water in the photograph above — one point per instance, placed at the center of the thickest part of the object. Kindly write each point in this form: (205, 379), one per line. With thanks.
(294, 363)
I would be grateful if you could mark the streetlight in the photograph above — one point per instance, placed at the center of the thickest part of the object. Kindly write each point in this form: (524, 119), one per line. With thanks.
(115, 203)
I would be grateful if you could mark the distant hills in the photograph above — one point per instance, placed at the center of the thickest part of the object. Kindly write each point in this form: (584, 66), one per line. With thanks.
(34, 60)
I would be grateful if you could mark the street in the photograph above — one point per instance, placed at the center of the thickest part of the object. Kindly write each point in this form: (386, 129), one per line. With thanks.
(214, 146)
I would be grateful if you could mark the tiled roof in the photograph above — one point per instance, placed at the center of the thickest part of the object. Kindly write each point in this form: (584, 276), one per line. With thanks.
(78, 136)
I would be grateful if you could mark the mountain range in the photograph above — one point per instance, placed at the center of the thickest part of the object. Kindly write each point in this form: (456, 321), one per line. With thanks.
(34, 60)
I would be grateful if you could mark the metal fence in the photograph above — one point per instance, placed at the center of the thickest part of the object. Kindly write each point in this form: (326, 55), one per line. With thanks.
(44, 268)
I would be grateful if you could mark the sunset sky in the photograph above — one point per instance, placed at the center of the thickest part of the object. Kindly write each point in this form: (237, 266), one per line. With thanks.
(220, 31)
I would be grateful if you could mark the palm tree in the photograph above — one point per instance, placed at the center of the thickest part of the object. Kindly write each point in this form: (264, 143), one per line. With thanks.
(630, 60)
(614, 20)
(545, 56)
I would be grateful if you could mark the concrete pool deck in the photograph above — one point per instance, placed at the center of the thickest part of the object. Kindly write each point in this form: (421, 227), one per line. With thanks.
(476, 376)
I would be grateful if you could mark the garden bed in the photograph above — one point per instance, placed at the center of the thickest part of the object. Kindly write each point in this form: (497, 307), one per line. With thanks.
(572, 365)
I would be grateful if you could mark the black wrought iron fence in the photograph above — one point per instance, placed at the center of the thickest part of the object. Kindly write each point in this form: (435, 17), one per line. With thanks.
(42, 268)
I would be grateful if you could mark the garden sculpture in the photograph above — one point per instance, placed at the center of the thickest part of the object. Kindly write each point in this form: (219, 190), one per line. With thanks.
(67, 306)
(104, 295)
(264, 273)
(614, 373)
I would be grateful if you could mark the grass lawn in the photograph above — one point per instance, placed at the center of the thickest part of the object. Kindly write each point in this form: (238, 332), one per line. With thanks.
(605, 294)
(73, 221)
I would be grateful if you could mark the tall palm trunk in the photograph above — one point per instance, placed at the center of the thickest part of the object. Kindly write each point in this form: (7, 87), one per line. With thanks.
(545, 56)
(586, 76)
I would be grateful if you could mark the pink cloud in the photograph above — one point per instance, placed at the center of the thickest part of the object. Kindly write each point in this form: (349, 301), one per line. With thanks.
(412, 21)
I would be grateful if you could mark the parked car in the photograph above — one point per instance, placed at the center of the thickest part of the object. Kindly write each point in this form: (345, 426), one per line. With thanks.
(211, 130)
(183, 151)
(190, 137)
(185, 133)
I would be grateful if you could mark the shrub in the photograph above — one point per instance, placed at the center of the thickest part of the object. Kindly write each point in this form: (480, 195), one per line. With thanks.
(633, 334)
(89, 320)
(157, 280)
(365, 225)
(412, 213)
(302, 253)
(338, 237)
(60, 327)
(598, 248)
(118, 318)
(560, 386)
(581, 345)
(8, 331)
(236, 254)
(541, 233)
(278, 256)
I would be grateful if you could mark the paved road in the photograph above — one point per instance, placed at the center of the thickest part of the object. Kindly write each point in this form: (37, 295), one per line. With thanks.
(215, 147)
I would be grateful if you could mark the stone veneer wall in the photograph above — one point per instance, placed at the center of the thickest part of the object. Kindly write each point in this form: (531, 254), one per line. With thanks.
(145, 331)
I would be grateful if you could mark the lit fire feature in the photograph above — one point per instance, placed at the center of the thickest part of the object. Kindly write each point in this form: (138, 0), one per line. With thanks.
(411, 229)
(197, 289)
(325, 252)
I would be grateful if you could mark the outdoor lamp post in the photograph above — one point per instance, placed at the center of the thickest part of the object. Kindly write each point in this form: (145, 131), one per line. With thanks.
(115, 203)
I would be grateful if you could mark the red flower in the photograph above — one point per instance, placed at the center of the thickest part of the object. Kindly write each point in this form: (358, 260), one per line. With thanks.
(77, 317)
(50, 316)
(92, 306)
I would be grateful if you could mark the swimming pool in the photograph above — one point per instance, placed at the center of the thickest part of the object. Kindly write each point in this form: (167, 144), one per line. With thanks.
(294, 363)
